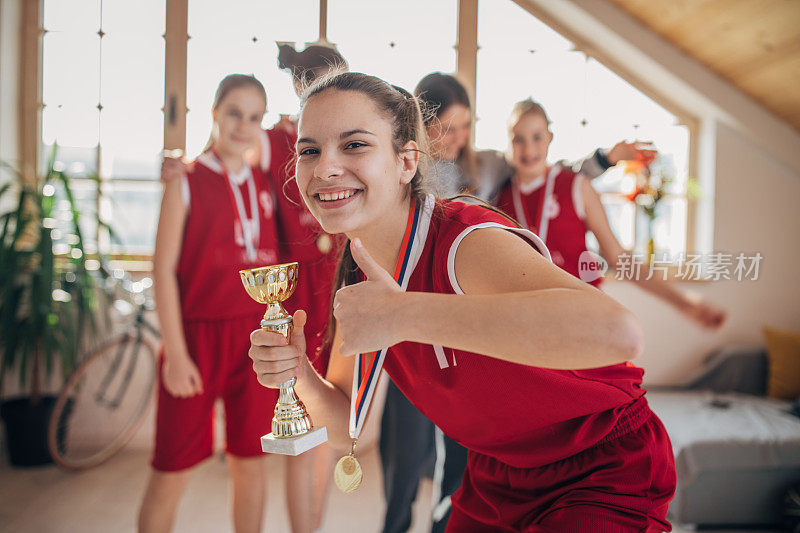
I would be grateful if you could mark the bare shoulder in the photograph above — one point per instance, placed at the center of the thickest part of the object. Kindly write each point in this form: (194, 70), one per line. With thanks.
(498, 260)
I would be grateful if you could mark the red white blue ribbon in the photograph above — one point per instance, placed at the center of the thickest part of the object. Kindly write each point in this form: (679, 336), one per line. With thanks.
(368, 365)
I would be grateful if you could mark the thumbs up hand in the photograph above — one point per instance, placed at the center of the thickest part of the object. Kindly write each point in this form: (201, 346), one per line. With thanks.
(365, 312)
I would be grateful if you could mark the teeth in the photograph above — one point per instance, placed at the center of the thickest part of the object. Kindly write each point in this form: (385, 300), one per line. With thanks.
(328, 197)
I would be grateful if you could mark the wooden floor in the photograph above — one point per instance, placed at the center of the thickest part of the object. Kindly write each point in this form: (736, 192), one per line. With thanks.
(106, 499)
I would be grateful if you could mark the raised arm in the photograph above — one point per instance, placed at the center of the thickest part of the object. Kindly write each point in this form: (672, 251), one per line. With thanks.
(694, 308)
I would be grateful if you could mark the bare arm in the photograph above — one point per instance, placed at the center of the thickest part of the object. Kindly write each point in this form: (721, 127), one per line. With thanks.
(610, 248)
(517, 307)
(181, 378)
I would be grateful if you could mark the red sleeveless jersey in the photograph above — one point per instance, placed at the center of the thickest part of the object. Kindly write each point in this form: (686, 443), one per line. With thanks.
(554, 210)
(301, 239)
(213, 250)
(523, 416)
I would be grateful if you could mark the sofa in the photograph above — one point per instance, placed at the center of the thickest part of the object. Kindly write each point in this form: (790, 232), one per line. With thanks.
(736, 450)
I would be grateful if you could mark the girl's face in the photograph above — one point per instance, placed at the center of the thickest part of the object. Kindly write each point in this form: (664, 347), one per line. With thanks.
(530, 140)
(449, 132)
(347, 169)
(238, 119)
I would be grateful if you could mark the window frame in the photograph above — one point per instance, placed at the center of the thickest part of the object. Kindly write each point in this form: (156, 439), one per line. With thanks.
(175, 86)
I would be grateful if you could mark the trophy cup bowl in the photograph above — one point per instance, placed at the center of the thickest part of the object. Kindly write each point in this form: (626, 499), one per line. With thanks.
(292, 430)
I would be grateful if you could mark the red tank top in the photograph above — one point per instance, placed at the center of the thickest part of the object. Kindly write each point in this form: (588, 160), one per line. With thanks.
(550, 210)
(213, 249)
(522, 415)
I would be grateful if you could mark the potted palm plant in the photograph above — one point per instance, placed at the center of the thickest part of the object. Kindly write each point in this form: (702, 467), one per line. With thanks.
(46, 303)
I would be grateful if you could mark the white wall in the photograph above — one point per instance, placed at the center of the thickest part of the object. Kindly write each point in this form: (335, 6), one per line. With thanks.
(749, 167)
(9, 81)
(756, 209)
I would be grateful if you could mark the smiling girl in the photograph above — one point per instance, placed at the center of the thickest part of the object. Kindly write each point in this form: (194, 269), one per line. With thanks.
(215, 220)
(561, 206)
(512, 357)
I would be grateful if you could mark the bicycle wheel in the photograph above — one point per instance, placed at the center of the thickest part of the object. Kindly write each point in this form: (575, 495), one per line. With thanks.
(103, 403)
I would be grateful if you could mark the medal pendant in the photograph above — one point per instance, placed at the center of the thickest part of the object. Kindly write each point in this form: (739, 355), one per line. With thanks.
(324, 243)
(347, 474)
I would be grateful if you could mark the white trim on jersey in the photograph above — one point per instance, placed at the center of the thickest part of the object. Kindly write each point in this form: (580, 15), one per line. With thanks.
(440, 505)
(577, 196)
(441, 358)
(266, 151)
(527, 188)
(210, 162)
(548, 197)
(451, 256)
(185, 192)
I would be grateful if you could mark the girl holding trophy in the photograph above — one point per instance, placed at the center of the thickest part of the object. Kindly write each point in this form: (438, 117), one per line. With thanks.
(300, 239)
(509, 355)
(217, 217)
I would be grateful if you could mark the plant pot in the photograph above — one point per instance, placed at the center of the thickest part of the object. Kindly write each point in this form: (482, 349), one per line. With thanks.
(26, 430)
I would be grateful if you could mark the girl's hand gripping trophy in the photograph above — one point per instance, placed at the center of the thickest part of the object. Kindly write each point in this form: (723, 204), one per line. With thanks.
(292, 431)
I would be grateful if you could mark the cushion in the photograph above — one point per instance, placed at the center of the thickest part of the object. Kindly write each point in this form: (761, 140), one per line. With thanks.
(783, 352)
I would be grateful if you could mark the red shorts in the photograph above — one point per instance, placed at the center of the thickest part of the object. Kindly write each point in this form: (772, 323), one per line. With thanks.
(184, 426)
(622, 484)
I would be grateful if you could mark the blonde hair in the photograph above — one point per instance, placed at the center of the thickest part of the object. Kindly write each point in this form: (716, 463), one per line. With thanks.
(523, 108)
(229, 83)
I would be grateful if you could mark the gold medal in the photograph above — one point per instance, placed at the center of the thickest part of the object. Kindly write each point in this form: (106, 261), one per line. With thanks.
(324, 243)
(347, 474)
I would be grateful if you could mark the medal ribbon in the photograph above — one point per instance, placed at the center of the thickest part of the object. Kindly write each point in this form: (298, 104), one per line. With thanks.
(251, 227)
(368, 365)
(544, 203)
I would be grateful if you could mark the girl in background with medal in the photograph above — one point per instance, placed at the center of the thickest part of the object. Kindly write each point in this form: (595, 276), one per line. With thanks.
(561, 206)
(216, 219)
(510, 356)
(300, 239)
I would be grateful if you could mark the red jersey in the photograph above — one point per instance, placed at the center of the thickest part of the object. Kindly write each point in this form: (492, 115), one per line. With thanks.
(552, 207)
(214, 248)
(521, 415)
(303, 240)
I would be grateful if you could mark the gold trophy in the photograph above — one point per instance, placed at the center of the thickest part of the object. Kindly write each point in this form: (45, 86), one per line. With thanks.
(292, 431)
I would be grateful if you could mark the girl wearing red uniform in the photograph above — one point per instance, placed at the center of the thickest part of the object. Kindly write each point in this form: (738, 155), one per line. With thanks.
(561, 206)
(521, 363)
(214, 221)
(300, 239)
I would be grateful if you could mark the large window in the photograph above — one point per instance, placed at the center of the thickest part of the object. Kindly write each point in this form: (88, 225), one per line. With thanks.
(103, 89)
(104, 84)
(399, 42)
(589, 106)
(241, 39)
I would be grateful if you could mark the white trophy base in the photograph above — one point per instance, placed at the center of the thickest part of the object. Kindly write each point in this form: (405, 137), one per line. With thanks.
(294, 445)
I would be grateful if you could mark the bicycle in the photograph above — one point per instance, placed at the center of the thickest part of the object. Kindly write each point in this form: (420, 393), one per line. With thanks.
(107, 397)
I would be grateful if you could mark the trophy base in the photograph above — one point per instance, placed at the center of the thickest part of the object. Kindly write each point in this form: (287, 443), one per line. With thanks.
(294, 445)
